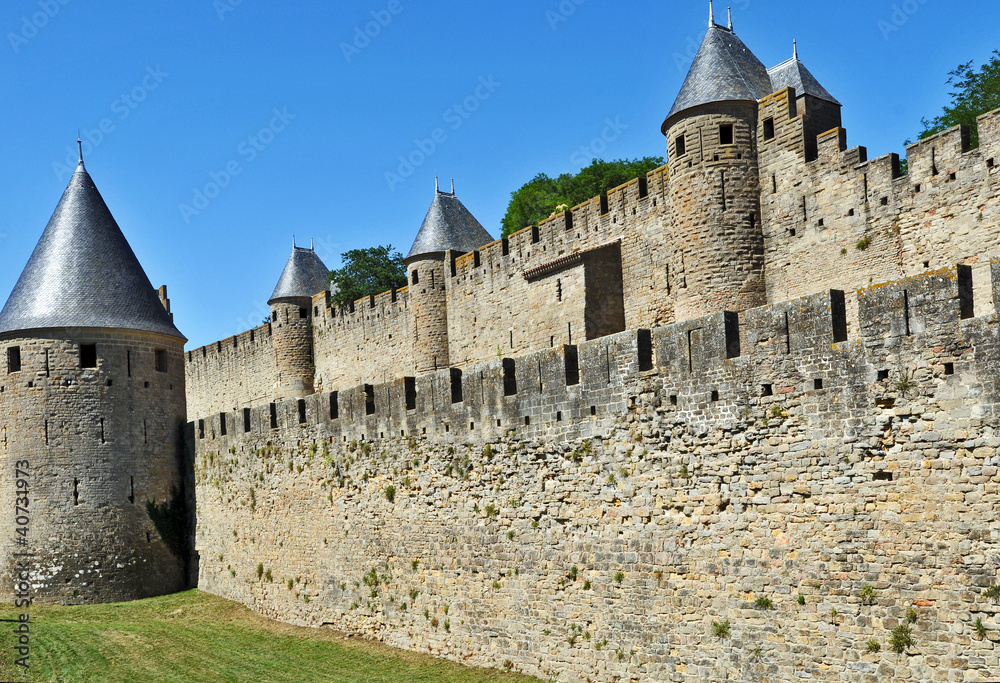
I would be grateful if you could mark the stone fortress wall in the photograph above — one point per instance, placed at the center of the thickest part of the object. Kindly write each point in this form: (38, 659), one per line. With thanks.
(590, 512)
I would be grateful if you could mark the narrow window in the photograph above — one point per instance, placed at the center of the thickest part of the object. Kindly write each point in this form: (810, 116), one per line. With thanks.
(965, 302)
(726, 134)
(128, 362)
(569, 328)
(644, 343)
(410, 391)
(774, 184)
(722, 181)
(303, 314)
(766, 390)
(768, 129)
(505, 246)
(456, 386)
(558, 290)
(161, 360)
(14, 359)
(46, 362)
(883, 375)
(369, 399)
(145, 432)
(667, 278)
(88, 355)
(572, 360)
(534, 234)
(102, 431)
(334, 406)
(222, 424)
(715, 395)
(643, 188)
(131, 489)
(246, 420)
(302, 410)
(46, 432)
(949, 368)
(509, 377)
(201, 429)
(605, 210)
(680, 145)
(76, 492)
(512, 339)
(274, 416)
(817, 384)
(415, 277)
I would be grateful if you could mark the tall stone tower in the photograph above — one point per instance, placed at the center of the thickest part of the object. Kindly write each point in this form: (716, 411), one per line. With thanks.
(714, 187)
(448, 226)
(91, 411)
(291, 322)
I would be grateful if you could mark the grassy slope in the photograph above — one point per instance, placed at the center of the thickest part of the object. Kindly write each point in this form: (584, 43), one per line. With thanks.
(194, 636)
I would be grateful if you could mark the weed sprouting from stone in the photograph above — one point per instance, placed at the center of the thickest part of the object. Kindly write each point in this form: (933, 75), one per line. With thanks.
(764, 602)
(901, 639)
(873, 646)
(720, 629)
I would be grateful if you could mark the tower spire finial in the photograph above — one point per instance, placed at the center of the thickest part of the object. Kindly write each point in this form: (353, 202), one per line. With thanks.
(730, 18)
(293, 240)
(79, 146)
(711, 14)
(795, 49)
(437, 185)
(453, 186)
(312, 244)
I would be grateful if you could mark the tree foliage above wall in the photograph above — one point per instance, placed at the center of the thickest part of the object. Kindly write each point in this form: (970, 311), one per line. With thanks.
(544, 196)
(367, 271)
(976, 93)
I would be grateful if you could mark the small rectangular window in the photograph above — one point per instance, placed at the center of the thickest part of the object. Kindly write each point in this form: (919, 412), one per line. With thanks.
(456, 386)
(415, 277)
(274, 416)
(201, 429)
(222, 424)
(246, 420)
(509, 377)
(558, 290)
(369, 399)
(302, 410)
(410, 391)
(161, 360)
(726, 134)
(14, 359)
(680, 145)
(572, 364)
(88, 355)
(768, 129)
(334, 406)
(303, 314)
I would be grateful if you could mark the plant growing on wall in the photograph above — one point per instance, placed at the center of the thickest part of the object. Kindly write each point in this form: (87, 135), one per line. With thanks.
(365, 272)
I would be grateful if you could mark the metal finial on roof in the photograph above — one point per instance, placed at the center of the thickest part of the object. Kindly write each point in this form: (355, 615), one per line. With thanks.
(293, 240)
(711, 14)
(795, 49)
(453, 186)
(437, 185)
(79, 145)
(312, 244)
(730, 18)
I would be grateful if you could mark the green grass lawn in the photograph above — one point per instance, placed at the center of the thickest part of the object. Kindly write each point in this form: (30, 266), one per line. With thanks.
(194, 636)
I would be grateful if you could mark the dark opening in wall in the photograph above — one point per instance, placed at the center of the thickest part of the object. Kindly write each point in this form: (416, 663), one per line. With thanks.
(505, 247)
(952, 176)
(605, 210)
(643, 187)
(726, 134)
(821, 223)
(131, 490)
(965, 303)
(201, 429)
(715, 395)
(456, 386)
(303, 314)
(593, 411)
(145, 432)
(534, 234)
(882, 476)
(883, 375)
(558, 416)
(527, 420)
(88, 355)
(128, 361)
(767, 390)
(76, 492)
(838, 314)
(509, 377)
(732, 329)
(644, 347)
(817, 384)
(850, 212)
(410, 392)
(572, 361)
(222, 424)
(673, 399)
(476, 262)
(558, 290)
(415, 277)
(246, 420)
(680, 146)
(884, 201)
(949, 368)
(769, 129)
(302, 410)
(161, 360)
(315, 314)
(13, 359)
(917, 188)
(369, 399)
(102, 431)
(273, 409)
(334, 406)
(990, 163)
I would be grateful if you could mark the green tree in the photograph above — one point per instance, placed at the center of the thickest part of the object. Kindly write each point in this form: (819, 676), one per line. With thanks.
(543, 196)
(975, 93)
(367, 271)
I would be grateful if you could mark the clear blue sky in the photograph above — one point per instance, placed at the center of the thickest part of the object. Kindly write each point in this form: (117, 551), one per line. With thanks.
(202, 78)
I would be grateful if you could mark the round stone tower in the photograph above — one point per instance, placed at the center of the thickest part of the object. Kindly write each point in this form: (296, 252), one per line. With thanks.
(291, 322)
(448, 226)
(91, 412)
(714, 187)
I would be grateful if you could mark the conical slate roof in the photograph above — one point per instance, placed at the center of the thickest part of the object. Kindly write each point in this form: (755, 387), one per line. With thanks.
(794, 74)
(304, 275)
(83, 273)
(724, 70)
(448, 225)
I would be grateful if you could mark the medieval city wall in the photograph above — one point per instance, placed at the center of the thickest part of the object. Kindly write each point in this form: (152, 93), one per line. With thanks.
(708, 500)
(235, 372)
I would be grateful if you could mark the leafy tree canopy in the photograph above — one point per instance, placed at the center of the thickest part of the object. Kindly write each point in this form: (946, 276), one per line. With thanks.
(367, 271)
(976, 92)
(544, 196)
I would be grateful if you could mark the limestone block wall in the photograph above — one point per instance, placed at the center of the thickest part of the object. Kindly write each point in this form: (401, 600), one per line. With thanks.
(95, 446)
(707, 500)
(238, 371)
